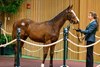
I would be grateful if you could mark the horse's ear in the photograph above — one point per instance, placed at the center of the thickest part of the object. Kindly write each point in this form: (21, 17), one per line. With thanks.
(68, 7)
(71, 6)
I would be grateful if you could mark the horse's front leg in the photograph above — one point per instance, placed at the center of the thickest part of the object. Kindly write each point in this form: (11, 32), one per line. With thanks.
(51, 55)
(45, 52)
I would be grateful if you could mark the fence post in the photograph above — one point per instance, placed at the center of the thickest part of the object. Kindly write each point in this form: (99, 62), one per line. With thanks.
(18, 48)
(65, 52)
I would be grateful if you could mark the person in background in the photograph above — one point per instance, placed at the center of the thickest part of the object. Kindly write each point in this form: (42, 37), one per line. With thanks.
(90, 33)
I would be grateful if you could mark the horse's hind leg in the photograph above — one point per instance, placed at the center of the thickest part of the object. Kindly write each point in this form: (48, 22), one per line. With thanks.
(21, 45)
(51, 55)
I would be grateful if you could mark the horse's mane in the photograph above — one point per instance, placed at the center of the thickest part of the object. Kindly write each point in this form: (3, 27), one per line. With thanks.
(58, 16)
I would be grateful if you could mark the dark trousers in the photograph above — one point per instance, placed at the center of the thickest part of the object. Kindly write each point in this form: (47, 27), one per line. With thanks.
(89, 56)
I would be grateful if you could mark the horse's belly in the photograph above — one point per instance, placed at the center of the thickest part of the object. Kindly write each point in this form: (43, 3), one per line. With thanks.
(37, 38)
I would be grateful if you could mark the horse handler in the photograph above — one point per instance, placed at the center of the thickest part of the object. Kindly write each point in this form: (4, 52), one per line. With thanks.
(90, 33)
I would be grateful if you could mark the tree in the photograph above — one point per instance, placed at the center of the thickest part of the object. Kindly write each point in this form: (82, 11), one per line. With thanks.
(9, 7)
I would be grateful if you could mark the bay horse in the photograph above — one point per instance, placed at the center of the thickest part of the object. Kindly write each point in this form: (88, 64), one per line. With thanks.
(46, 32)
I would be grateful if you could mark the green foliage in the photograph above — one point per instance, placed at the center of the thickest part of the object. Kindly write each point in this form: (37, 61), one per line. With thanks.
(10, 6)
(8, 50)
(3, 39)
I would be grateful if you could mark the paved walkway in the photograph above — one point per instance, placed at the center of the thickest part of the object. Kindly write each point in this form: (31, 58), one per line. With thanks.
(8, 62)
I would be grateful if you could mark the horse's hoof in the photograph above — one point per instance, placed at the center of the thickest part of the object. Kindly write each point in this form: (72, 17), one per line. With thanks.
(51, 65)
(42, 65)
(14, 65)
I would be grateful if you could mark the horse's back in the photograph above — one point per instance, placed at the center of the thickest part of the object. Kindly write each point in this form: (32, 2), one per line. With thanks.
(34, 30)
(26, 25)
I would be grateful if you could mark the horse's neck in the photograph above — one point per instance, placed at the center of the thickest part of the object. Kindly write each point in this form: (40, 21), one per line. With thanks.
(60, 23)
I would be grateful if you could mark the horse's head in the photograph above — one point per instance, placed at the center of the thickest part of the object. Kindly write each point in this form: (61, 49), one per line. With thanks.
(71, 16)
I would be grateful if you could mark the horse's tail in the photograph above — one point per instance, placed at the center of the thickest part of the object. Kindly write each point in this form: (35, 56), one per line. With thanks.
(14, 32)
